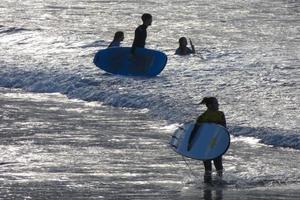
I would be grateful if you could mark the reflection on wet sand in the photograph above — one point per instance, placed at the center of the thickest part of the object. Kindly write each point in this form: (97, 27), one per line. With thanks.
(209, 191)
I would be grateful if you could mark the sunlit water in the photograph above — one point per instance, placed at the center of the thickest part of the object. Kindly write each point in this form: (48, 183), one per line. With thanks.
(56, 148)
(76, 149)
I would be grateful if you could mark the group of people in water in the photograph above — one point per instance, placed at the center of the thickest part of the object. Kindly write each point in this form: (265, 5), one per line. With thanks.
(211, 115)
(140, 36)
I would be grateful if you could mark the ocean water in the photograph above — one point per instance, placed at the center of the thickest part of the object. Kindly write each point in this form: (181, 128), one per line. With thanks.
(69, 130)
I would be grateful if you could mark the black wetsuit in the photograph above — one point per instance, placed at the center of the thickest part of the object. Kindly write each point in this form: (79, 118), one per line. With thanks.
(140, 36)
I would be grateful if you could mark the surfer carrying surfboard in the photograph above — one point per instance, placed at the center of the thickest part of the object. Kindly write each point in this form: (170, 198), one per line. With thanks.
(211, 115)
(140, 33)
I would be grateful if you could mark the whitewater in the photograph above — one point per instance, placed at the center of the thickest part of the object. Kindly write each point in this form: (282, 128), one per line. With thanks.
(248, 55)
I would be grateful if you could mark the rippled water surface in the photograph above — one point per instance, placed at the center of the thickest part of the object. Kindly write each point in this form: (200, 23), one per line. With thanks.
(56, 148)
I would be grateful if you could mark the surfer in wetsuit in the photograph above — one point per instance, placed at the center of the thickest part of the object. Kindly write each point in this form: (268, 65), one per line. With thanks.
(140, 34)
(183, 50)
(118, 38)
(211, 115)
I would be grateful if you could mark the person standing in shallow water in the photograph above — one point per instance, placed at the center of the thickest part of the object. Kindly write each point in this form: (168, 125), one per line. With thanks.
(211, 115)
(183, 50)
(140, 34)
(118, 38)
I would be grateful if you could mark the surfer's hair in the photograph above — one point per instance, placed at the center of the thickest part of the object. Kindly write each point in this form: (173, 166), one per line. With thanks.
(146, 16)
(182, 39)
(118, 35)
(208, 100)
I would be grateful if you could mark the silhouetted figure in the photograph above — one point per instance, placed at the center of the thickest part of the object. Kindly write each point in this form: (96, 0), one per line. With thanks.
(211, 115)
(140, 34)
(183, 49)
(118, 38)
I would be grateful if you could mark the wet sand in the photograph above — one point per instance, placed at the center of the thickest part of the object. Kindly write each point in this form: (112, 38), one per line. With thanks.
(56, 148)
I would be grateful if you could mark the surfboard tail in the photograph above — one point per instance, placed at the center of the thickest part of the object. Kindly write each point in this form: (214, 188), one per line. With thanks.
(174, 142)
(176, 137)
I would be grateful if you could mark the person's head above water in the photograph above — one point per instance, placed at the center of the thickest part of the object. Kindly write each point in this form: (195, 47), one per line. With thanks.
(211, 103)
(147, 19)
(182, 42)
(119, 36)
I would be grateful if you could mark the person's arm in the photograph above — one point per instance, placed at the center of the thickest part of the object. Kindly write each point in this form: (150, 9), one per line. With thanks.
(111, 44)
(223, 121)
(193, 47)
(194, 131)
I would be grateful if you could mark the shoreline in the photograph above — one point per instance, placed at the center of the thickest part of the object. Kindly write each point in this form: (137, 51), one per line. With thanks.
(56, 148)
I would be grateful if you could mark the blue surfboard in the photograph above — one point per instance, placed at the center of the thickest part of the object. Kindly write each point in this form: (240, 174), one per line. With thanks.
(119, 60)
(207, 143)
